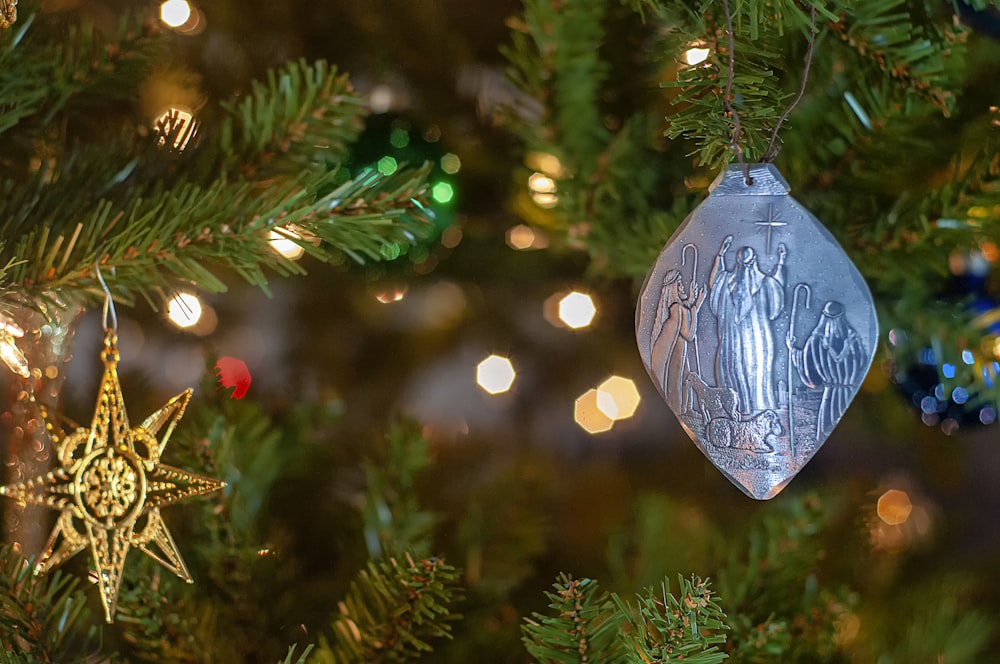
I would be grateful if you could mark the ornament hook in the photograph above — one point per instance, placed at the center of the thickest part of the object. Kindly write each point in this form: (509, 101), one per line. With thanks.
(110, 314)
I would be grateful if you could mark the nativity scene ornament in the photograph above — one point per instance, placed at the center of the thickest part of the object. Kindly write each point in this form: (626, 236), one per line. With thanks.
(110, 485)
(759, 351)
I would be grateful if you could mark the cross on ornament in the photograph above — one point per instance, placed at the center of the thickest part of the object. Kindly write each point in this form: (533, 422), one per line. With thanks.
(770, 223)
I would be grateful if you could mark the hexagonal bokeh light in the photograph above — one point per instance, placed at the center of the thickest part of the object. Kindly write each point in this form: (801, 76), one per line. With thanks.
(175, 13)
(588, 414)
(894, 507)
(618, 397)
(495, 374)
(577, 310)
(184, 310)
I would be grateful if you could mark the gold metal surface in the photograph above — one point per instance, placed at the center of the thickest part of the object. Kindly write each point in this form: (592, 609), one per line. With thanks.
(110, 485)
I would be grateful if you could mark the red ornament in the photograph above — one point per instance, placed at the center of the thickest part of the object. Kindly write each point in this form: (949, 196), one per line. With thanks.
(233, 373)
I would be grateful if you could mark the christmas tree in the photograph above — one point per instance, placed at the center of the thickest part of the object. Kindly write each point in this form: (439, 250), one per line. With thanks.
(381, 287)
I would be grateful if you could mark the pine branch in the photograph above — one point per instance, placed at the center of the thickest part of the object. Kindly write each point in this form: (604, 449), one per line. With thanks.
(172, 236)
(393, 521)
(303, 116)
(779, 602)
(392, 611)
(582, 627)
(43, 618)
(663, 627)
(50, 67)
(175, 207)
(300, 659)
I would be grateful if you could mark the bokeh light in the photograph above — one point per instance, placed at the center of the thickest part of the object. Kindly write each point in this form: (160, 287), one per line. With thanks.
(283, 243)
(175, 13)
(696, 54)
(451, 164)
(543, 190)
(618, 397)
(393, 294)
(523, 237)
(577, 310)
(183, 122)
(894, 507)
(442, 192)
(184, 310)
(495, 374)
(588, 414)
(548, 164)
(387, 165)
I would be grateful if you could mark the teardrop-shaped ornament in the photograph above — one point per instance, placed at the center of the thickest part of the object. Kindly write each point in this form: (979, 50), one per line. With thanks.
(756, 328)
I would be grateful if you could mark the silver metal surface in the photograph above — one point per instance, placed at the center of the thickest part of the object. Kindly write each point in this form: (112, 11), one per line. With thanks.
(757, 329)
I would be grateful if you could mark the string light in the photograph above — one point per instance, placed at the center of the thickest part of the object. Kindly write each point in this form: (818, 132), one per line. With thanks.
(618, 397)
(391, 295)
(180, 120)
(696, 54)
(543, 190)
(451, 164)
(495, 374)
(184, 310)
(524, 237)
(387, 165)
(284, 243)
(894, 507)
(548, 164)
(589, 415)
(577, 310)
(442, 192)
(175, 13)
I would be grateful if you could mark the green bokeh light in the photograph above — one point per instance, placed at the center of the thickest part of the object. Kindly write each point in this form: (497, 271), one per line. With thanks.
(399, 138)
(387, 165)
(442, 192)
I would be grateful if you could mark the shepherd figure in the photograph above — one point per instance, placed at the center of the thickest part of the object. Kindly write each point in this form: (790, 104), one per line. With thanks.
(745, 300)
(833, 359)
(675, 329)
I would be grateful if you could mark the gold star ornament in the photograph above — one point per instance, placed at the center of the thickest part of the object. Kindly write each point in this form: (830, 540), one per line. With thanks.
(110, 485)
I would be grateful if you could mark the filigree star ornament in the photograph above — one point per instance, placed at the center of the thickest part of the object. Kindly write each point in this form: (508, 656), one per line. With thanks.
(110, 485)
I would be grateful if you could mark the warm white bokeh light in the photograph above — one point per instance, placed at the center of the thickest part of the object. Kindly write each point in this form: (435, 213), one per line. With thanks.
(618, 397)
(495, 374)
(588, 414)
(175, 13)
(696, 55)
(282, 242)
(520, 237)
(577, 310)
(185, 123)
(548, 164)
(543, 190)
(394, 294)
(184, 310)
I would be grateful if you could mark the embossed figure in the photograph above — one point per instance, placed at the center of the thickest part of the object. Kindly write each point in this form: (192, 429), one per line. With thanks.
(674, 332)
(713, 401)
(754, 434)
(833, 358)
(745, 300)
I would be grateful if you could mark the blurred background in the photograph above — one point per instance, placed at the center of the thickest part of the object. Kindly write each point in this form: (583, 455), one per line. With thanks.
(548, 440)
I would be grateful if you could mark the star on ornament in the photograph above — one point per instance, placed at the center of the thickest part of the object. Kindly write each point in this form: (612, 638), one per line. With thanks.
(110, 485)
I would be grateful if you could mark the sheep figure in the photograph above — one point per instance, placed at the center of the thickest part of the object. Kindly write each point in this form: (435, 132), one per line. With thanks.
(755, 434)
(715, 402)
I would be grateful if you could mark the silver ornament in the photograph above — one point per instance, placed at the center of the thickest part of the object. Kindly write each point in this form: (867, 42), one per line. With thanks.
(756, 328)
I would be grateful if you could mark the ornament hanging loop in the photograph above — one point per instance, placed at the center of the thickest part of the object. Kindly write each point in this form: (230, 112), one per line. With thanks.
(735, 140)
(772, 147)
(110, 353)
(110, 314)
